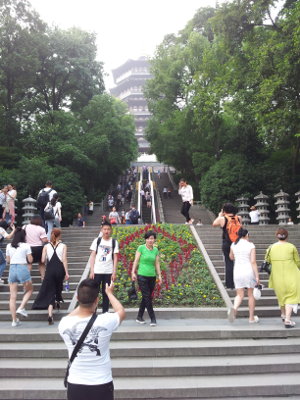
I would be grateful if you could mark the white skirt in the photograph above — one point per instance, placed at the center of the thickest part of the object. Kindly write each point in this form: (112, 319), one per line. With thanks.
(243, 276)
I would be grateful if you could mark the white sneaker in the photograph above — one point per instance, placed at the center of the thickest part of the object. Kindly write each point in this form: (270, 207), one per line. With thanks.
(15, 323)
(1, 281)
(22, 311)
(255, 320)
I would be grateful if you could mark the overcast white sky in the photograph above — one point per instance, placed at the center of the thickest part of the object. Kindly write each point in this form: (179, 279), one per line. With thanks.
(125, 28)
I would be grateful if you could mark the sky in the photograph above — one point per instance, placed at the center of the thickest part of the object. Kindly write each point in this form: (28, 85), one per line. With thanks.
(125, 28)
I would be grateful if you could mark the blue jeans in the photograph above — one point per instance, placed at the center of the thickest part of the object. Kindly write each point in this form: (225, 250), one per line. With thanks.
(2, 263)
(49, 224)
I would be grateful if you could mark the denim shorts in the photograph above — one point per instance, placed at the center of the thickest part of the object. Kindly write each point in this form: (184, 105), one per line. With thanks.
(18, 273)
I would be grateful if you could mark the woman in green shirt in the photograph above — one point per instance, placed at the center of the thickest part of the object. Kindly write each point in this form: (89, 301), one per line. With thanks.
(147, 260)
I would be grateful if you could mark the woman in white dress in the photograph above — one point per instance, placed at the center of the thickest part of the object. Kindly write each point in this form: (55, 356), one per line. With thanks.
(245, 273)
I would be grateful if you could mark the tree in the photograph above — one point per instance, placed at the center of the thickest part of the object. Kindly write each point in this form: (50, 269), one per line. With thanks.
(19, 29)
(228, 179)
(227, 84)
(69, 75)
(108, 140)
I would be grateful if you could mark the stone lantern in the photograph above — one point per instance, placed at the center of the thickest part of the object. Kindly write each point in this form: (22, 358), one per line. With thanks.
(29, 209)
(298, 202)
(262, 207)
(282, 208)
(243, 209)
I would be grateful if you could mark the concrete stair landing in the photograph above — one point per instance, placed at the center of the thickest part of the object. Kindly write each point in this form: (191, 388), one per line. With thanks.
(179, 359)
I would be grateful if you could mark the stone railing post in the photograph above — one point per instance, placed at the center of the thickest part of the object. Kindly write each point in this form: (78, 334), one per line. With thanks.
(298, 202)
(282, 207)
(29, 209)
(243, 209)
(262, 207)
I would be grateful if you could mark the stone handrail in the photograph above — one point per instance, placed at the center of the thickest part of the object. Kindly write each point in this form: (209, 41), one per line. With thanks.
(212, 269)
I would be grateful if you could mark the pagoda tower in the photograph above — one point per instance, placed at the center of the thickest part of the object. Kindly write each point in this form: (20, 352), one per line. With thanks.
(130, 79)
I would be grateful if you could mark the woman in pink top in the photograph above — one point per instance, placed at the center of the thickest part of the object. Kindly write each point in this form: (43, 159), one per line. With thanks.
(10, 200)
(36, 237)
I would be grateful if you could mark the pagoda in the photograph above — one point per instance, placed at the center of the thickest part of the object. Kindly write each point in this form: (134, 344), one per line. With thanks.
(130, 79)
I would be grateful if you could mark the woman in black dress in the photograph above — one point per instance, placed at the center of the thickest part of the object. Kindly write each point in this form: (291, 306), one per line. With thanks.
(49, 296)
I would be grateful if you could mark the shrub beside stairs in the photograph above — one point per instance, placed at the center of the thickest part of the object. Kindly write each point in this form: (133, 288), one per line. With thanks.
(189, 355)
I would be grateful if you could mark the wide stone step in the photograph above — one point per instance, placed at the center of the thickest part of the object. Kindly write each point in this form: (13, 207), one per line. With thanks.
(263, 301)
(160, 348)
(5, 295)
(131, 313)
(176, 387)
(152, 366)
(34, 315)
(168, 329)
(36, 286)
(260, 253)
(63, 306)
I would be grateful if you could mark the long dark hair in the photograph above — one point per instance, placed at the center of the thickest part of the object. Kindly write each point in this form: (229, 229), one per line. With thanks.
(241, 234)
(4, 224)
(19, 237)
(54, 199)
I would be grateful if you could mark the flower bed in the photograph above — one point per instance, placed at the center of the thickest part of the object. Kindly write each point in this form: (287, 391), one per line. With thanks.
(186, 278)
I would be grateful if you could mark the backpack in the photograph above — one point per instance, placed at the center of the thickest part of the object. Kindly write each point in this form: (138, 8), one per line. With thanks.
(43, 199)
(113, 245)
(134, 216)
(232, 227)
(49, 213)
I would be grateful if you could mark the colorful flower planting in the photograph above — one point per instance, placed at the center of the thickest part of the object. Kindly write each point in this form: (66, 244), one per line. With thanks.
(186, 278)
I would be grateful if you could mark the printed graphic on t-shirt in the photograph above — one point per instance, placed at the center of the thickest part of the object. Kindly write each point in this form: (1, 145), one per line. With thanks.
(90, 342)
(104, 252)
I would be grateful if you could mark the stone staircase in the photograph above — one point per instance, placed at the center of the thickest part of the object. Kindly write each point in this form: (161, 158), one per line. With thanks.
(172, 206)
(179, 359)
(78, 241)
(262, 237)
(191, 354)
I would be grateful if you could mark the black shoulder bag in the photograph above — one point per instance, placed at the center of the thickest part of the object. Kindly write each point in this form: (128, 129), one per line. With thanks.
(265, 265)
(78, 345)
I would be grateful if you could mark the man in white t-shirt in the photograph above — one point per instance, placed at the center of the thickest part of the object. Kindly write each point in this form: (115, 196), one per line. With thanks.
(254, 215)
(90, 375)
(103, 261)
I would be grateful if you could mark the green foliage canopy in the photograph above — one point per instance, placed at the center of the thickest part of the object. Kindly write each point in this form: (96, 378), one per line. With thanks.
(56, 121)
(228, 83)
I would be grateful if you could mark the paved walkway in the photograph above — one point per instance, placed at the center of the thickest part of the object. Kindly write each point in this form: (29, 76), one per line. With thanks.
(266, 324)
